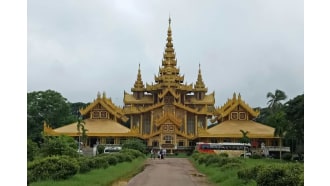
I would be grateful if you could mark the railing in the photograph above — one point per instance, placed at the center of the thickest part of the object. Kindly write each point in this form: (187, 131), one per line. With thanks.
(277, 148)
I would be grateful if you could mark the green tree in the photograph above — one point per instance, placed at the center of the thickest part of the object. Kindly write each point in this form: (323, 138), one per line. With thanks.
(294, 110)
(280, 123)
(49, 106)
(32, 150)
(244, 139)
(75, 107)
(134, 143)
(275, 99)
(59, 145)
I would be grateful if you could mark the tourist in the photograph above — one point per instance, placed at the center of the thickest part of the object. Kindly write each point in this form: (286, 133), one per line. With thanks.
(152, 154)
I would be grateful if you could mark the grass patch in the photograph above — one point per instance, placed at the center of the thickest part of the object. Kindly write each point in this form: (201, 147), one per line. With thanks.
(106, 177)
(227, 175)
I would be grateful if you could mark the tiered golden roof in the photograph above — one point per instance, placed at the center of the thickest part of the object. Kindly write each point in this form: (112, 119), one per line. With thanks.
(108, 105)
(138, 85)
(200, 86)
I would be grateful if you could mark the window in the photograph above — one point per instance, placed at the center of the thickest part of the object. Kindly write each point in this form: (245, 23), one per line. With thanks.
(155, 143)
(168, 139)
(110, 140)
(181, 143)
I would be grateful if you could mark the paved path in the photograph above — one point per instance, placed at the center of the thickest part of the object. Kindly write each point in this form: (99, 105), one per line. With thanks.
(169, 172)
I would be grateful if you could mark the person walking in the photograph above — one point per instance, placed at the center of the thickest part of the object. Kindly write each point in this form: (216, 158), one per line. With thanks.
(152, 154)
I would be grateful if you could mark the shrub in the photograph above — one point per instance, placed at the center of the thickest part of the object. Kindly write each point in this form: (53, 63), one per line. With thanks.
(136, 144)
(84, 165)
(100, 149)
(99, 162)
(256, 156)
(287, 156)
(59, 145)
(212, 160)
(249, 173)
(120, 157)
(223, 154)
(32, 150)
(134, 153)
(231, 166)
(281, 174)
(112, 160)
(195, 156)
(56, 168)
(203, 158)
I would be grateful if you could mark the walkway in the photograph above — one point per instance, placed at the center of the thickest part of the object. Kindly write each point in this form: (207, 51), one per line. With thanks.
(169, 172)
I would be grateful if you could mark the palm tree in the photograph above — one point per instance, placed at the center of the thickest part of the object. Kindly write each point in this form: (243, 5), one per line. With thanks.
(280, 123)
(81, 127)
(279, 131)
(275, 99)
(244, 139)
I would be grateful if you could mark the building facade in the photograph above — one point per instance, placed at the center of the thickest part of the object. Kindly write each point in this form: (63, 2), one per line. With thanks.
(169, 113)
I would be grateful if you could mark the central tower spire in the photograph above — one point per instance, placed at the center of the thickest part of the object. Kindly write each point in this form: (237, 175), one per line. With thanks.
(169, 55)
(169, 74)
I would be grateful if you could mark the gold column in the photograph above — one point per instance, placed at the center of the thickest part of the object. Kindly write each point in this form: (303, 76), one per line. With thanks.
(196, 124)
(151, 122)
(185, 122)
(131, 123)
(140, 126)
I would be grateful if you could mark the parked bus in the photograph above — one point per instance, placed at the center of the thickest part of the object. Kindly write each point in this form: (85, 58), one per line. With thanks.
(232, 149)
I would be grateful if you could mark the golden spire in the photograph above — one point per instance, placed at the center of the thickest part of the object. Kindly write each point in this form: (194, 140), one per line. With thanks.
(138, 85)
(169, 73)
(169, 55)
(200, 86)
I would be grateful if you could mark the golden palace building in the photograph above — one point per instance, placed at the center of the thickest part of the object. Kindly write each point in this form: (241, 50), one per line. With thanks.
(168, 113)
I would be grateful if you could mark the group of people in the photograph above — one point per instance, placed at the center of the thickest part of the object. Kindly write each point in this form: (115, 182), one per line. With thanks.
(160, 154)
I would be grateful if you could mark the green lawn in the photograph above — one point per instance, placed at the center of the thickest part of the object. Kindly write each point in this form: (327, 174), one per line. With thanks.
(121, 171)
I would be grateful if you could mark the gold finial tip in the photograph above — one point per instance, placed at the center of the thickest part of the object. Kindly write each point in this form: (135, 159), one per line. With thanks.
(169, 19)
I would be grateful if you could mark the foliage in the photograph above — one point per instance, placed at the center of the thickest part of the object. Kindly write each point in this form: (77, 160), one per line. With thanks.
(134, 143)
(100, 149)
(56, 168)
(274, 174)
(287, 156)
(245, 138)
(84, 164)
(59, 145)
(134, 153)
(49, 106)
(294, 110)
(275, 99)
(75, 107)
(223, 154)
(108, 176)
(290, 116)
(81, 131)
(32, 150)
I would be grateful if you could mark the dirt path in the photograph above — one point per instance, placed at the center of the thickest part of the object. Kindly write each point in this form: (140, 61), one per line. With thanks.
(168, 172)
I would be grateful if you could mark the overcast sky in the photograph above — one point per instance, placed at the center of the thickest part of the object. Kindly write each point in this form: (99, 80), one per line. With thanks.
(252, 47)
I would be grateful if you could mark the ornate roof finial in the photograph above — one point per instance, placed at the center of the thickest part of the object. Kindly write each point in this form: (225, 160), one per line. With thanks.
(104, 96)
(98, 95)
(138, 85)
(200, 85)
(169, 19)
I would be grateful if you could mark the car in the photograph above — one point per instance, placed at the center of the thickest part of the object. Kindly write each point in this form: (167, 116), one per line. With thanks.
(108, 150)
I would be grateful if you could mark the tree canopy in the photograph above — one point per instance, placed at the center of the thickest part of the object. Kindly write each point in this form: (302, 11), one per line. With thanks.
(49, 106)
